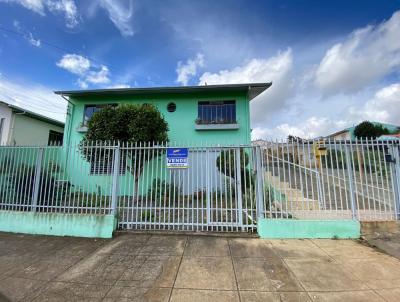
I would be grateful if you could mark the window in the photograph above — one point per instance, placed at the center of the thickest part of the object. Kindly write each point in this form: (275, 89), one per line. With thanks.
(222, 112)
(55, 138)
(171, 107)
(104, 165)
(91, 109)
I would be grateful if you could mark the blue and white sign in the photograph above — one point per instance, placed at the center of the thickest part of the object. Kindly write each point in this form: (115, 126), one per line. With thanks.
(177, 158)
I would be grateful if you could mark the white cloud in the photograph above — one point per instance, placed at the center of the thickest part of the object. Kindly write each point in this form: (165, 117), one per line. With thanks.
(99, 76)
(26, 34)
(367, 55)
(115, 86)
(277, 69)
(85, 69)
(121, 14)
(74, 63)
(66, 7)
(33, 41)
(33, 97)
(189, 69)
(35, 5)
(383, 107)
(310, 128)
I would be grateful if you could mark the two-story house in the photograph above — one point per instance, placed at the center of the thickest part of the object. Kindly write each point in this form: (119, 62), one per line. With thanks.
(213, 114)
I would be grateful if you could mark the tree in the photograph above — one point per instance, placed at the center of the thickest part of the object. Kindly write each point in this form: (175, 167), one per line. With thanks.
(367, 129)
(294, 139)
(125, 124)
(226, 164)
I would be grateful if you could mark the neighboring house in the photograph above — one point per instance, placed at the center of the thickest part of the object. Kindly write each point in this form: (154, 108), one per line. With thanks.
(389, 137)
(213, 114)
(348, 133)
(21, 127)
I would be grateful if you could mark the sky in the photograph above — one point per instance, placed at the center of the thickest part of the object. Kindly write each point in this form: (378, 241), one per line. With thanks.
(332, 63)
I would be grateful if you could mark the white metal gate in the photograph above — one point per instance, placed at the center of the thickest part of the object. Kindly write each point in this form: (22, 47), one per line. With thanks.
(215, 193)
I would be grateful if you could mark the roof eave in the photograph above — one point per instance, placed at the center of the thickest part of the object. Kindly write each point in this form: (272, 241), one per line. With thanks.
(253, 89)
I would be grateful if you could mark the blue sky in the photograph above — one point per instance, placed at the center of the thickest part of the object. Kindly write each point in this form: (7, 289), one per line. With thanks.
(332, 63)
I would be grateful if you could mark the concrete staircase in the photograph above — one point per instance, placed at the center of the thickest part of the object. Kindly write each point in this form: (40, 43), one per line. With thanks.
(289, 199)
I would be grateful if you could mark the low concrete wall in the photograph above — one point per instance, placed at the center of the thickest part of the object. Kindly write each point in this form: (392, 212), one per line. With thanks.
(292, 228)
(372, 228)
(77, 225)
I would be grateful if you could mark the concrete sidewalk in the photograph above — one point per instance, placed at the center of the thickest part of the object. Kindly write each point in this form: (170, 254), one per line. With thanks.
(134, 267)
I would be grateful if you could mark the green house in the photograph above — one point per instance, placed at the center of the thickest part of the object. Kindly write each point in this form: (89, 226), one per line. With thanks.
(213, 114)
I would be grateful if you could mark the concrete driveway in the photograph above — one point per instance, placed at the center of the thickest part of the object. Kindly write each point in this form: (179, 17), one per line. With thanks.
(139, 267)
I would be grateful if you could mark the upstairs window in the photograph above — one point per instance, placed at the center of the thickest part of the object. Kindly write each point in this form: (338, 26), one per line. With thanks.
(216, 112)
(92, 109)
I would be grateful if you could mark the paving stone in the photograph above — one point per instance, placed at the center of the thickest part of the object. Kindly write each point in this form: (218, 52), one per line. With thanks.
(14, 289)
(11, 264)
(46, 270)
(60, 291)
(389, 243)
(264, 275)
(256, 296)
(207, 247)
(323, 275)
(335, 243)
(251, 248)
(96, 269)
(184, 295)
(390, 295)
(134, 294)
(297, 249)
(206, 273)
(79, 247)
(383, 284)
(129, 244)
(164, 245)
(152, 272)
(353, 296)
(352, 252)
(373, 269)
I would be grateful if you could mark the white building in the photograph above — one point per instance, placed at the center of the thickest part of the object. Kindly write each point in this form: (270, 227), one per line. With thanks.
(21, 127)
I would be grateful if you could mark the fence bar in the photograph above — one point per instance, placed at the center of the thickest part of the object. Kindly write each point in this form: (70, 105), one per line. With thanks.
(115, 179)
(351, 182)
(37, 179)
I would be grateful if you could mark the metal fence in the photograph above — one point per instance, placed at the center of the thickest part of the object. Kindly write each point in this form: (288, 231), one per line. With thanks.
(54, 179)
(224, 188)
(216, 192)
(332, 179)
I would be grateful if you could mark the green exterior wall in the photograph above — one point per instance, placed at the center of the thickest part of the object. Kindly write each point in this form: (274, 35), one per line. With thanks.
(299, 229)
(181, 130)
(181, 122)
(79, 225)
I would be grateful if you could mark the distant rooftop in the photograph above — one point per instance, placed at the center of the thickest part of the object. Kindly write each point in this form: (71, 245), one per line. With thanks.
(35, 115)
(253, 90)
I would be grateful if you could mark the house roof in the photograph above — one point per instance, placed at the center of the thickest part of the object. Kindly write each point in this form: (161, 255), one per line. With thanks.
(389, 137)
(338, 133)
(253, 90)
(34, 115)
(390, 127)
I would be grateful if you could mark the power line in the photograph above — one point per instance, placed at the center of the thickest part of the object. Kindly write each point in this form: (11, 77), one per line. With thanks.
(61, 49)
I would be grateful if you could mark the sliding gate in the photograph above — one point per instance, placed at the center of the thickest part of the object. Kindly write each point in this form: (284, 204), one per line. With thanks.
(216, 191)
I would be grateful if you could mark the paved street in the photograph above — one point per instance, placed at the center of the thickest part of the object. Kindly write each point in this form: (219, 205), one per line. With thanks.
(134, 267)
